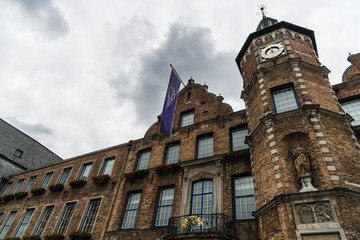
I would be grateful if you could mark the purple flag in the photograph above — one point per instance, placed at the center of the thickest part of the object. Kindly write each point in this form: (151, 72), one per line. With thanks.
(167, 115)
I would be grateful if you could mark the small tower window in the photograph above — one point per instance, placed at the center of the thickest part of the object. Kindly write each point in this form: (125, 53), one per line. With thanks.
(284, 100)
(18, 153)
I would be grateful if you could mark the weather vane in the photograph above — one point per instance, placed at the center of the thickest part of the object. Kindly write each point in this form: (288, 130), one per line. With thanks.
(262, 8)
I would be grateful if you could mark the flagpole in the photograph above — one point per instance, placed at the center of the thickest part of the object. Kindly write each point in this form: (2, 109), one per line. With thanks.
(178, 77)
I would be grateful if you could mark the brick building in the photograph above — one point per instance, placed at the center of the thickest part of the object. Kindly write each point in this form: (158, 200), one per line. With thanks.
(286, 167)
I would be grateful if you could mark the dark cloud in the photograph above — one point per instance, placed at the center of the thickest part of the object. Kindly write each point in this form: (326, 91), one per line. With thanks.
(33, 130)
(192, 52)
(45, 16)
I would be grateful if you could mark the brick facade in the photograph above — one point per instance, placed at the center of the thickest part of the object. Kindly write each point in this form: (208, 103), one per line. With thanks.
(283, 210)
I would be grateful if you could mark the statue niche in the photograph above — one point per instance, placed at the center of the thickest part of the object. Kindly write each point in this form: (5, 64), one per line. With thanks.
(302, 164)
(299, 159)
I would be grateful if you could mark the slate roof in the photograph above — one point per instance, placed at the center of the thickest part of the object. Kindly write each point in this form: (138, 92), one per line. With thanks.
(34, 154)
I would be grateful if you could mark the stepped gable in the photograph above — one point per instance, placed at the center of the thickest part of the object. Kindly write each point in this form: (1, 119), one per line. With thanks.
(195, 97)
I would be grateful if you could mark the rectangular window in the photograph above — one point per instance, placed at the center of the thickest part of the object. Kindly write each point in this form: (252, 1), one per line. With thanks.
(65, 218)
(244, 197)
(64, 175)
(238, 139)
(205, 147)
(6, 188)
(7, 224)
(143, 160)
(108, 166)
(17, 186)
(29, 184)
(46, 179)
(202, 203)
(284, 100)
(164, 209)
(353, 109)
(90, 215)
(187, 119)
(44, 220)
(172, 154)
(85, 170)
(131, 211)
(24, 223)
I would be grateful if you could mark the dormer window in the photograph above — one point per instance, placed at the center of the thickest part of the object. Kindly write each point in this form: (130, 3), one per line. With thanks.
(18, 153)
(187, 118)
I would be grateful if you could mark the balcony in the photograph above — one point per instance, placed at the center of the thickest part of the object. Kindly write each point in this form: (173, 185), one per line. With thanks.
(210, 226)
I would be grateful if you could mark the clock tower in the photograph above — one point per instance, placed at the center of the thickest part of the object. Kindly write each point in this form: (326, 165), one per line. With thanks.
(304, 178)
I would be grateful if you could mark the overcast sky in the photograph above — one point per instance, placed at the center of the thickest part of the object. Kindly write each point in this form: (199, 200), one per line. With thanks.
(81, 75)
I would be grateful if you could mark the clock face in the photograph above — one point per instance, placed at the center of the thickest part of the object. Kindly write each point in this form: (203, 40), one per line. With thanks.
(272, 51)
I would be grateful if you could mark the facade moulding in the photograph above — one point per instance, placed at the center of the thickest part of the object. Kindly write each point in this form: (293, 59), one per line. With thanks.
(317, 195)
(289, 63)
(202, 161)
(306, 109)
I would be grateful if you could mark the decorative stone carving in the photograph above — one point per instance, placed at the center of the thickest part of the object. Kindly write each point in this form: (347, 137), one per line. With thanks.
(306, 214)
(323, 212)
(319, 212)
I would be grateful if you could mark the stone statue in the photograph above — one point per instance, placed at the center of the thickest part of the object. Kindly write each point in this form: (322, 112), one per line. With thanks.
(302, 162)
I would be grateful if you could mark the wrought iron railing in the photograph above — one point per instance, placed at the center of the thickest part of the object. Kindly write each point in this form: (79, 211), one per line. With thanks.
(216, 223)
